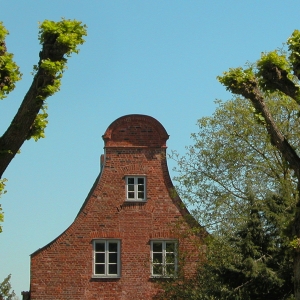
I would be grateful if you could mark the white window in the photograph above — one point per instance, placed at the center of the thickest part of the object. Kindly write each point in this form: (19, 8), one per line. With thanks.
(163, 258)
(135, 188)
(106, 258)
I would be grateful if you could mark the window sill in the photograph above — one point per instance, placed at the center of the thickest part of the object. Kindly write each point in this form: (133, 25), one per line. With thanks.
(135, 201)
(105, 277)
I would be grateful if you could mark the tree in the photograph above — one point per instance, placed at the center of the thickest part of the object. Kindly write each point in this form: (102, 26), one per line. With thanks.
(275, 71)
(5, 290)
(252, 264)
(232, 154)
(255, 263)
(230, 159)
(59, 40)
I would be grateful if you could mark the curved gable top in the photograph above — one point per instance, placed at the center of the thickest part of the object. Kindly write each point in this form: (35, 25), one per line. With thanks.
(135, 131)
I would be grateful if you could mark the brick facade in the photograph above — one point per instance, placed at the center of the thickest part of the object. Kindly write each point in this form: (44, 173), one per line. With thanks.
(63, 269)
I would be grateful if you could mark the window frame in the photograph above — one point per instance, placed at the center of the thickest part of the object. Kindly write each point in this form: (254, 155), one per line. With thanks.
(107, 262)
(135, 190)
(164, 262)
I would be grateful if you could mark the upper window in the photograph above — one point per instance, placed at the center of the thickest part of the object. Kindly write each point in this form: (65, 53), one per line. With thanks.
(164, 258)
(135, 188)
(106, 258)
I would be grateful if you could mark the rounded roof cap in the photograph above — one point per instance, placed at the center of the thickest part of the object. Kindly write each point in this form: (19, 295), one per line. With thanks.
(135, 131)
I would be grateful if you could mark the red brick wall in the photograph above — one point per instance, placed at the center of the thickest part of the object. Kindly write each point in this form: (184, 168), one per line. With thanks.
(134, 145)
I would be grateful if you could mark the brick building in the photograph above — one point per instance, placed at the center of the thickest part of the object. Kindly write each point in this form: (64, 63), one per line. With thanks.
(131, 230)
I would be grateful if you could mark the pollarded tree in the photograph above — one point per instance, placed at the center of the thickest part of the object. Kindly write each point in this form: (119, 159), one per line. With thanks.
(274, 72)
(59, 40)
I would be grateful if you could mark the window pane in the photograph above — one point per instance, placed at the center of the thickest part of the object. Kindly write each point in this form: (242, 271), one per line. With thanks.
(113, 257)
(131, 195)
(170, 247)
(170, 258)
(130, 180)
(99, 269)
(100, 247)
(140, 180)
(140, 195)
(157, 247)
(100, 258)
(157, 257)
(112, 269)
(130, 188)
(170, 269)
(113, 247)
(140, 188)
(157, 270)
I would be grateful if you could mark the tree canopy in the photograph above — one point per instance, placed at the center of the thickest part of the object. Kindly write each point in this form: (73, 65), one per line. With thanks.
(242, 190)
(232, 155)
(59, 41)
(276, 71)
(6, 292)
(221, 169)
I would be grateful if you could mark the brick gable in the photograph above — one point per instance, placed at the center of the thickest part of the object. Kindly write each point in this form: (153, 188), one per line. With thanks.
(63, 269)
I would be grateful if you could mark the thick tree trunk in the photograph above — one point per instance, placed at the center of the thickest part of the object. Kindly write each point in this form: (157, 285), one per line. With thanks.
(19, 129)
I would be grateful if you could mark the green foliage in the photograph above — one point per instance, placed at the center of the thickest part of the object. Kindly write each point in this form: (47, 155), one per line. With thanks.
(231, 153)
(294, 47)
(67, 33)
(266, 66)
(249, 253)
(3, 33)
(9, 71)
(5, 289)
(271, 73)
(252, 263)
(65, 36)
(2, 191)
(37, 130)
(59, 40)
(236, 79)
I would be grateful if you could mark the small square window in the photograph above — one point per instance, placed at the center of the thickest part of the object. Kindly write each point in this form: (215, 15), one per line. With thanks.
(135, 188)
(106, 258)
(163, 258)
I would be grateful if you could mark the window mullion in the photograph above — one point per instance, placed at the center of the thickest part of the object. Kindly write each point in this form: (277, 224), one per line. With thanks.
(135, 188)
(106, 258)
(164, 258)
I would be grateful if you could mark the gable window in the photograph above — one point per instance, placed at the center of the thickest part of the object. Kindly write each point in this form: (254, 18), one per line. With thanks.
(163, 258)
(135, 188)
(106, 258)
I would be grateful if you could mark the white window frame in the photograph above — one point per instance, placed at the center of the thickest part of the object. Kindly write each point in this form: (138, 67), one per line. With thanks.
(102, 257)
(134, 188)
(164, 260)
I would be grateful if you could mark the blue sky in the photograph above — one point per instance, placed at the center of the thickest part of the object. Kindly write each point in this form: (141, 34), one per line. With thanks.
(158, 58)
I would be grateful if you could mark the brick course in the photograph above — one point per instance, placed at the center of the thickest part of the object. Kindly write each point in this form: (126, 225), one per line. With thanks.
(134, 145)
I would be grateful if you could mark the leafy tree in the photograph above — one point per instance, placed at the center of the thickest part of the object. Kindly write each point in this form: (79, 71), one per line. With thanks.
(232, 154)
(253, 264)
(258, 263)
(232, 158)
(5, 290)
(275, 71)
(59, 40)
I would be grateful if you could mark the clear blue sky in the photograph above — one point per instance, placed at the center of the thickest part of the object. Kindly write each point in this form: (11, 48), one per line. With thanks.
(155, 57)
